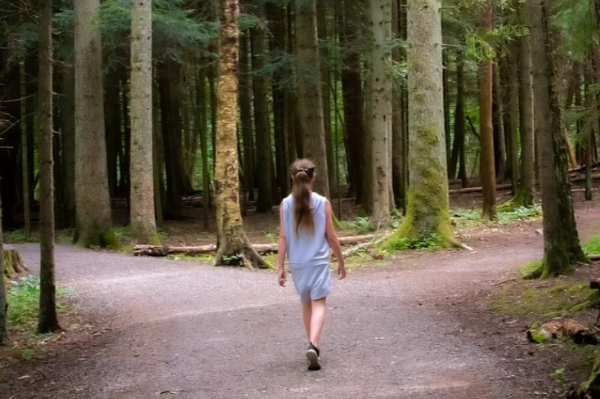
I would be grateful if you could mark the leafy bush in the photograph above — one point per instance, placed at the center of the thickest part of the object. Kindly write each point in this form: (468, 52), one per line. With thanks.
(361, 224)
(23, 301)
(520, 213)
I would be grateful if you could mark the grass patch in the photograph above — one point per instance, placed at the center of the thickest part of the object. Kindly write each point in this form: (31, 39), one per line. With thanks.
(559, 300)
(530, 270)
(360, 225)
(19, 237)
(592, 246)
(23, 302)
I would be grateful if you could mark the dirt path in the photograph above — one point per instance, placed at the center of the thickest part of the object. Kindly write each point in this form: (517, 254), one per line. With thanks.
(187, 330)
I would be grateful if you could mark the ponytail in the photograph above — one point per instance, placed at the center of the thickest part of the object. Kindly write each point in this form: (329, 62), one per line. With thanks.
(303, 172)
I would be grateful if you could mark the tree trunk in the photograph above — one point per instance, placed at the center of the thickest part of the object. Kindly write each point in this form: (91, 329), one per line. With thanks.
(204, 138)
(458, 148)
(48, 315)
(427, 214)
(310, 100)
(24, 153)
(397, 115)
(511, 127)
(525, 194)
(114, 139)
(142, 215)
(498, 125)
(262, 124)
(379, 108)
(170, 104)
(245, 101)
(446, 78)
(352, 94)
(234, 248)
(68, 140)
(4, 339)
(561, 240)
(94, 224)
(486, 131)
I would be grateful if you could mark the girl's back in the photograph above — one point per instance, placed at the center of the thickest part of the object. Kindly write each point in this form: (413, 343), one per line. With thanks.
(306, 248)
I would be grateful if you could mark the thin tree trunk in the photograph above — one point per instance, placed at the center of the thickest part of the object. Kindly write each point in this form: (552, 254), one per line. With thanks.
(114, 139)
(487, 169)
(310, 100)
(397, 122)
(498, 125)
(232, 242)
(352, 94)
(561, 240)
(94, 223)
(68, 140)
(157, 159)
(379, 108)
(526, 117)
(204, 138)
(24, 153)
(262, 125)
(446, 78)
(458, 148)
(511, 127)
(48, 315)
(142, 214)
(245, 100)
(4, 338)
(427, 215)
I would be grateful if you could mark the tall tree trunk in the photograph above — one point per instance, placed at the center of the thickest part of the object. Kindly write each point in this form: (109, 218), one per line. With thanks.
(512, 117)
(233, 245)
(325, 91)
(590, 103)
(352, 94)
(561, 240)
(262, 124)
(48, 315)
(68, 140)
(310, 102)
(498, 125)
(114, 139)
(245, 101)
(379, 108)
(397, 114)
(458, 148)
(446, 78)
(486, 131)
(142, 215)
(25, 143)
(525, 194)
(170, 100)
(427, 212)
(4, 339)
(94, 223)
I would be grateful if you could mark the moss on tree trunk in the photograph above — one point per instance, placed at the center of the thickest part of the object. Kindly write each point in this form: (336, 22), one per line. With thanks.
(427, 199)
(233, 245)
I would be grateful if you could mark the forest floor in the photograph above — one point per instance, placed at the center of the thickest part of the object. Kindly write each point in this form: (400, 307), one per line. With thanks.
(447, 324)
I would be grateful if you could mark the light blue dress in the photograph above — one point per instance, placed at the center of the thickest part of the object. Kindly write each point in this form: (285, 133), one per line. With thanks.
(308, 253)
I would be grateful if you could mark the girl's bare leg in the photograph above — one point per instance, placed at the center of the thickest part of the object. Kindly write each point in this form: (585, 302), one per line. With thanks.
(317, 320)
(307, 315)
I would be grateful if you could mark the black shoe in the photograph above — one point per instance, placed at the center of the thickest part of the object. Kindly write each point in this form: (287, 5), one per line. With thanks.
(312, 354)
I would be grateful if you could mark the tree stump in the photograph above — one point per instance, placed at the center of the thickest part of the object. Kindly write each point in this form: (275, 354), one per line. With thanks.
(13, 263)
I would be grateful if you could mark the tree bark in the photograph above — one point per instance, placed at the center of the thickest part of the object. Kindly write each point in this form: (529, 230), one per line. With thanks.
(48, 315)
(498, 125)
(94, 224)
(68, 140)
(486, 131)
(142, 215)
(4, 339)
(310, 100)
(113, 136)
(427, 214)
(561, 240)
(25, 143)
(525, 194)
(458, 147)
(233, 245)
(245, 101)
(379, 108)
(262, 124)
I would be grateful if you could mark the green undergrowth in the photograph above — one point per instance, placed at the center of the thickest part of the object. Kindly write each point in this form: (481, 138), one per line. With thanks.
(553, 298)
(592, 245)
(23, 302)
(430, 243)
(472, 218)
(205, 258)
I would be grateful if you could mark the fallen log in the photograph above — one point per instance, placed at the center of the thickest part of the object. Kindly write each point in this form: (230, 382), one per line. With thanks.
(13, 263)
(475, 189)
(556, 329)
(594, 256)
(154, 250)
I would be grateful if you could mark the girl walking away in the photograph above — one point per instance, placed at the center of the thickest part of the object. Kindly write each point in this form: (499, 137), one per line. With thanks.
(305, 236)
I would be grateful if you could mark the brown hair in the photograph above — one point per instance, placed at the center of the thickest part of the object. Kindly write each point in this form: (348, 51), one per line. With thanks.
(303, 173)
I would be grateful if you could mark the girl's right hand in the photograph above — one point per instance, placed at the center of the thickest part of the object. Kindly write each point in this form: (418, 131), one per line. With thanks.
(341, 270)
(281, 276)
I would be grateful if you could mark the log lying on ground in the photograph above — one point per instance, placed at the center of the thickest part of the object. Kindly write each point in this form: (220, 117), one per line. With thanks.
(13, 263)
(594, 256)
(153, 250)
(475, 189)
(563, 329)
